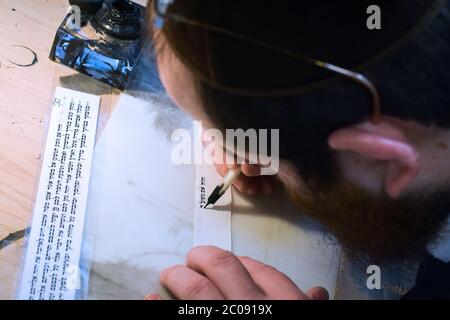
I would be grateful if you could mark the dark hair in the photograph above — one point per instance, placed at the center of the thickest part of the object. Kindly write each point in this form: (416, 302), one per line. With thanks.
(408, 60)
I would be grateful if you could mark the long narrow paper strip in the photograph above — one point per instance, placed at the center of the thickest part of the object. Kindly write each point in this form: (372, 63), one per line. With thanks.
(51, 264)
(211, 226)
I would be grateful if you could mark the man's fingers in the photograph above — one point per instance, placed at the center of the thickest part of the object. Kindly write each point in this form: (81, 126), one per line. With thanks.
(318, 293)
(186, 284)
(221, 169)
(247, 185)
(251, 185)
(153, 296)
(212, 273)
(251, 170)
(267, 185)
(225, 271)
(275, 284)
(242, 183)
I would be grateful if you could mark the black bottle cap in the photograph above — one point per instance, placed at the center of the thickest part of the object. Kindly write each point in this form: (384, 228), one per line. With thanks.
(123, 20)
(87, 6)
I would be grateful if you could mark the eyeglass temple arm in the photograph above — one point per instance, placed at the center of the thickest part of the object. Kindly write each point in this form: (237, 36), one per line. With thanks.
(359, 78)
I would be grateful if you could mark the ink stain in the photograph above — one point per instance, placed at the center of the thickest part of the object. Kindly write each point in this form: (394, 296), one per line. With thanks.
(37, 119)
(13, 9)
(13, 237)
(33, 61)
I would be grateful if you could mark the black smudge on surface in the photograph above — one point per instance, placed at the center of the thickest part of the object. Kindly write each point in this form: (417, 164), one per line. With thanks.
(33, 62)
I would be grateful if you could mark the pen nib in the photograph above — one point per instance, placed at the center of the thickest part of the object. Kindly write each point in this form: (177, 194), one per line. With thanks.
(206, 205)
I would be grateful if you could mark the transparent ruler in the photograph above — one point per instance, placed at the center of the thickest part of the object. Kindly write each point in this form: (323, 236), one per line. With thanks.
(53, 254)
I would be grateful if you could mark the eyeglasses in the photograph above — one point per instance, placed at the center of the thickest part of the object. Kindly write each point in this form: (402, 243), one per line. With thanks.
(163, 10)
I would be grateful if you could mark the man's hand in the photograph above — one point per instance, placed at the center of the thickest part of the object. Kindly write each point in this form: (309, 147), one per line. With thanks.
(250, 181)
(214, 274)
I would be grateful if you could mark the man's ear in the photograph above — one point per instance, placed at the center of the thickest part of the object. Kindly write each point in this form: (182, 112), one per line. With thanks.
(386, 142)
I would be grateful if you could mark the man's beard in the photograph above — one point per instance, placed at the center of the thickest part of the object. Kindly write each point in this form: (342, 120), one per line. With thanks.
(376, 227)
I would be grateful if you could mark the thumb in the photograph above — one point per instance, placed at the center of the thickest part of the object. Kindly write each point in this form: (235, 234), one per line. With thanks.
(153, 296)
(318, 293)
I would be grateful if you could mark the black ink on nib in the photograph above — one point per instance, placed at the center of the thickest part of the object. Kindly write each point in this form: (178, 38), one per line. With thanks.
(215, 195)
(206, 205)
